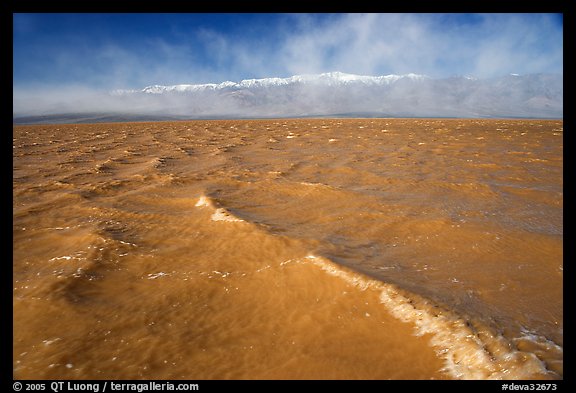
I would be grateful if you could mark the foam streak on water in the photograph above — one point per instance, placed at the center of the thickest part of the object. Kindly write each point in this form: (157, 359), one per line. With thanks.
(298, 249)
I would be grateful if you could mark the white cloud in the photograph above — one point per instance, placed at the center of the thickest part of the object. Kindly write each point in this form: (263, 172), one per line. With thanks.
(401, 43)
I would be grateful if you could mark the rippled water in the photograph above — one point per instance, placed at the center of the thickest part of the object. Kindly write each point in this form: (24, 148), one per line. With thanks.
(309, 249)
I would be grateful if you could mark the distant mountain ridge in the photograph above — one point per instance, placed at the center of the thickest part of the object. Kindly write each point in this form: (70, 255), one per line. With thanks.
(329, 78)
(341, 94)
(535, 95)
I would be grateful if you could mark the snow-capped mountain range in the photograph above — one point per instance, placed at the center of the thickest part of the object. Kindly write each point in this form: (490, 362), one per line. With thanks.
(328, 94)
(329, 79)
(337, 93)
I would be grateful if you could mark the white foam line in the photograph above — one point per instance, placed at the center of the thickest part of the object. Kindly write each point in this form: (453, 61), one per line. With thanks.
(469, 349)
(465, 353)
(204, 202)
(220, 213)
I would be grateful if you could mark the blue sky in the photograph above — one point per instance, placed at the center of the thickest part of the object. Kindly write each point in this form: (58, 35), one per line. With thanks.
(110, 51)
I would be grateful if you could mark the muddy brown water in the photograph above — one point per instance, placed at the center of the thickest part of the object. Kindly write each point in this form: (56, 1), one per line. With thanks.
(289, 249)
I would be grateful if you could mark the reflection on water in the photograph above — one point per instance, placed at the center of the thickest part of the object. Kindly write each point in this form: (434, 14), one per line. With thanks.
(308, 249)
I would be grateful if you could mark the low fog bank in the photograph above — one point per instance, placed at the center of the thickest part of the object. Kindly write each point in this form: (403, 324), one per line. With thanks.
(528, 96)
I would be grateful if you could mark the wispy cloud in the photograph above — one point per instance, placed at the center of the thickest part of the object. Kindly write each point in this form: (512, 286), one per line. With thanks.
(491, 45)
(437, 45)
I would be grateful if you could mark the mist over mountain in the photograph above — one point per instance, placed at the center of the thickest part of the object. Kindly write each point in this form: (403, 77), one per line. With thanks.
(328, 94)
